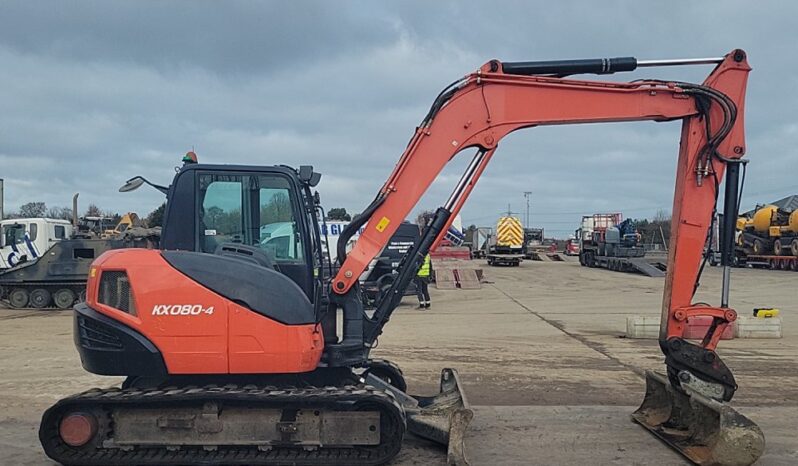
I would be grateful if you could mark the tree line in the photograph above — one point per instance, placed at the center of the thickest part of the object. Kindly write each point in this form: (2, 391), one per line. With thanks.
(654, 231)
(38, 209)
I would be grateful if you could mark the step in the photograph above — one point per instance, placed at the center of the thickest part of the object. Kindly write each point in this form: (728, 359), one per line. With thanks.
(757, 327)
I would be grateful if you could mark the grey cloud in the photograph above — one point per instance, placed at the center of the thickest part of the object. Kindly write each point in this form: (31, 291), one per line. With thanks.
(227, 37)
(95, 92)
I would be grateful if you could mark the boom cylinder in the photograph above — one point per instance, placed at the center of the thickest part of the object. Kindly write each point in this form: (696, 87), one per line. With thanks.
(407, 270)
(565, 67)
(597, 65)
(730, 213)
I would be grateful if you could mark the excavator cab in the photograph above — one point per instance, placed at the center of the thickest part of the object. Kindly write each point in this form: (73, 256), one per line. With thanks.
(269, 209)
(238, 268)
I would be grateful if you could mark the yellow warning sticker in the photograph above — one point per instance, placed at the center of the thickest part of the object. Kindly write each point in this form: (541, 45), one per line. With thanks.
(383, 224)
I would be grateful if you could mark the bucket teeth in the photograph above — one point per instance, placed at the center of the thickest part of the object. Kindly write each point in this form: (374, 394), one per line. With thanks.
(706, 431)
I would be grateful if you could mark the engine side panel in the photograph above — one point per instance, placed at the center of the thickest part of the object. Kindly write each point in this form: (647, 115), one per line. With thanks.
(196, 330)
(260, 345)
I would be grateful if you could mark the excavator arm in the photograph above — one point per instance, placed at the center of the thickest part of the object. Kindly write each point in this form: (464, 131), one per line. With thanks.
(500, 98)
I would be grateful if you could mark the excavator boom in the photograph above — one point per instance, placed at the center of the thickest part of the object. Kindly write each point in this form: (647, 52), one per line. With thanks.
(500, 98)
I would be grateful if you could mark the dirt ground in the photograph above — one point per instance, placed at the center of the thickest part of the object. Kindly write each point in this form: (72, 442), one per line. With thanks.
(540, 352)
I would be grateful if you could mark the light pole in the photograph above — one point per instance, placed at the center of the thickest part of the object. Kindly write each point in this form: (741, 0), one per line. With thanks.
(526, 195)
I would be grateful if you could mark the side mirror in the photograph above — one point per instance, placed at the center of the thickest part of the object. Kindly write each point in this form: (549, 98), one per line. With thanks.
(136, 182)
(305, 172)
(308, 176)
(132, 184)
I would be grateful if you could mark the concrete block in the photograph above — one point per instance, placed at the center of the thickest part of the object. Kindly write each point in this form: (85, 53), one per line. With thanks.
(757, 327)
(642, 327)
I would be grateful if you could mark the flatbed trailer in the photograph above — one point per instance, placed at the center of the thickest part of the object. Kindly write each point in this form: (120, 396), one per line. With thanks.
(771, 262)
(629, 264)
(513, 260)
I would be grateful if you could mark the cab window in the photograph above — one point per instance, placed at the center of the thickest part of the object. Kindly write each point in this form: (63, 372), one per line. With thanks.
(256, 210)
(60, 232)
(14, 234)
(278, 233)
(220, 213)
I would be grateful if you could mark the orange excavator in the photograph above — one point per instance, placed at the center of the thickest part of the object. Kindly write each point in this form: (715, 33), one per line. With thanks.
(229, 335)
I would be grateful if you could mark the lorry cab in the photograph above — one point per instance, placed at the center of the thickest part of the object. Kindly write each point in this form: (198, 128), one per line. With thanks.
(26, 239)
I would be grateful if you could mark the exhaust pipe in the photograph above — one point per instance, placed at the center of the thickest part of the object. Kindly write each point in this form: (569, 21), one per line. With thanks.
(75, 211)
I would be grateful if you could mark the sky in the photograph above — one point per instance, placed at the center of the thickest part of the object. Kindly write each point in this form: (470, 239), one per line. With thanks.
(95, 92)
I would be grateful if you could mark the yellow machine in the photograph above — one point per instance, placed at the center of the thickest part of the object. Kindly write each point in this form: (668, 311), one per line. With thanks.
(129, 220)
(766, 312)
(769, 231)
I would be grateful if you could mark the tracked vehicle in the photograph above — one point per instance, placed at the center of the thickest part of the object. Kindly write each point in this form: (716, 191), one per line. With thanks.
(230, 341)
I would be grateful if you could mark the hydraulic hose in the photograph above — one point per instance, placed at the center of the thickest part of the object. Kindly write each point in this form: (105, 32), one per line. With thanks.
(354, 226)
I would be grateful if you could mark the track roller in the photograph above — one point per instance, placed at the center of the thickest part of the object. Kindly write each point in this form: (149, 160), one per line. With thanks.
(18, 298)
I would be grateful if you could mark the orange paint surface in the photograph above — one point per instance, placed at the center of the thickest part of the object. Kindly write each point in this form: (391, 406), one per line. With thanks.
(201, 331)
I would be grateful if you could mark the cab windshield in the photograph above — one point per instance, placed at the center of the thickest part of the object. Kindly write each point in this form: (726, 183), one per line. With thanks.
(14, 234)
(257, 210)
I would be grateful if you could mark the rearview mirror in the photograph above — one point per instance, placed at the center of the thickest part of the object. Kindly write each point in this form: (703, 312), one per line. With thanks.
(132, 184)
(308, 176)
(135, 182)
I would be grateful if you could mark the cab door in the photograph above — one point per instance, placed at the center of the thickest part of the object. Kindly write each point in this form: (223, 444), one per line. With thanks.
(18, 244)
(257, 209)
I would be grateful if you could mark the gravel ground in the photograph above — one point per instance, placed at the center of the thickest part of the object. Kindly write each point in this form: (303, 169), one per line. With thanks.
(539, 349)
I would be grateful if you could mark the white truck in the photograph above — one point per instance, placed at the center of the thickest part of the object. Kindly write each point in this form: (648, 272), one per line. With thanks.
(26, 239)
(331, 230)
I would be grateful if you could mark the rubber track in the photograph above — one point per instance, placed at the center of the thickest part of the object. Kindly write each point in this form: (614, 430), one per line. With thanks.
(289, 398)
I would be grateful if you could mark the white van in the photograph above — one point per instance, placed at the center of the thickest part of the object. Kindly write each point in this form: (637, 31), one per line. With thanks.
(25, 239)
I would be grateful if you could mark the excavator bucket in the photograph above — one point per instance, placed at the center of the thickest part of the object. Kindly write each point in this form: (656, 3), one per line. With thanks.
(707, 432)
(443, 418)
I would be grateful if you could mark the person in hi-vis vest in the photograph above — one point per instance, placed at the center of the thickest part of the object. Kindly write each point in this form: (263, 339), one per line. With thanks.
(422, 283)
